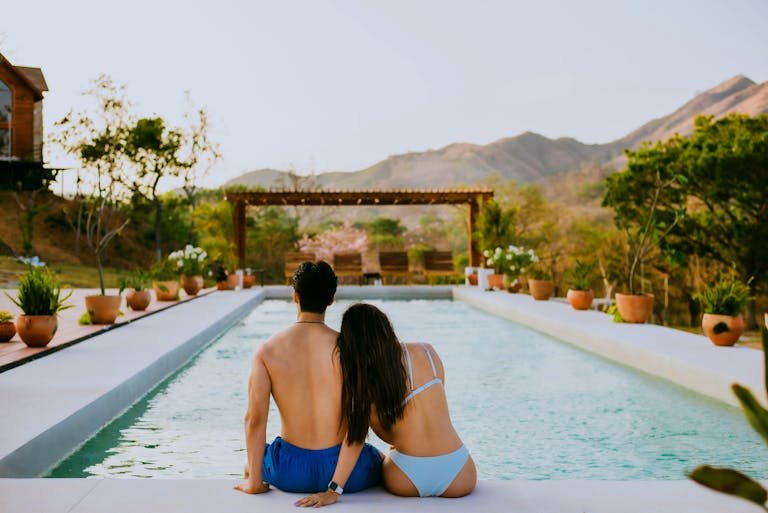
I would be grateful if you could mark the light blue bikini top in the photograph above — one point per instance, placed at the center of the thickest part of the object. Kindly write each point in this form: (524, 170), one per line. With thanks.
(434, 381)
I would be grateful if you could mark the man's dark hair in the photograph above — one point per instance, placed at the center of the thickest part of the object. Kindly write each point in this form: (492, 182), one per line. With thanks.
(315, 283)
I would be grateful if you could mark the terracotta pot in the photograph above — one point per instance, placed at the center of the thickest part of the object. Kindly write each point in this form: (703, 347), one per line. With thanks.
(249, 280)
(7, 331)
(222, 285)
(635, 308)
(722, 330)
(496, 281)
(138, 300)
(103, 309)
(36, 330)
(472, 280)
(192, 284)
(541, 290)
(170, 294)
(580, 299)
(232, 281)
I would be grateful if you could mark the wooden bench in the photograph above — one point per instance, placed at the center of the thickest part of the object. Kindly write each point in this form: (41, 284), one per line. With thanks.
(394, 264)
(292, 261)
(348, 265)
(438, 263)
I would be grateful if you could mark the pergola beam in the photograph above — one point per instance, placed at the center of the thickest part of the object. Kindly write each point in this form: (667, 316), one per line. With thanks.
(283, 197)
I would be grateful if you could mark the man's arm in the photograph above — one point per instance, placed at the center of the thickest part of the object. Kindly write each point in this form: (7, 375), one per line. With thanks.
(344, 467)
(259, 388)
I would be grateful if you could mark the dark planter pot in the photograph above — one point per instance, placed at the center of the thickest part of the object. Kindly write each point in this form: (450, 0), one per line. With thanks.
(191, 284)
(249, 281)
(722, 330)
(7, 331)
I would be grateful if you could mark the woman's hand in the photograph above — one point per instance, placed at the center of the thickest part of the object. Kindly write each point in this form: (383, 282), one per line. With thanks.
(317, 500)
(252, 488)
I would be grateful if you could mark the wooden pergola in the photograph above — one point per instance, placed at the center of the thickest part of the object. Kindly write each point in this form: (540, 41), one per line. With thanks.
(284, 197)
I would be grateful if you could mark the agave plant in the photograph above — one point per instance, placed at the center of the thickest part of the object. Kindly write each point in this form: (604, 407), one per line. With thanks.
(40, 293)
(726, 297)
(731, 481)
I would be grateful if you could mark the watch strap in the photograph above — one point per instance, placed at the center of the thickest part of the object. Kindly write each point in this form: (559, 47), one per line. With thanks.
(335, 488)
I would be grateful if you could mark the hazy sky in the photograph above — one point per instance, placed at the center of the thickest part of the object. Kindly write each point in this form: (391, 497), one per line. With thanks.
(339, 85)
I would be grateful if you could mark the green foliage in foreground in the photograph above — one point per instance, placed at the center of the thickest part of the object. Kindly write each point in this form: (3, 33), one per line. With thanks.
(40, 293)
(581, 275)
(730, 481)
(5, 316)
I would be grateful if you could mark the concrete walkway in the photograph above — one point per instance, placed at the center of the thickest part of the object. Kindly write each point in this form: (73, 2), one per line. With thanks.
(50, 406)
(211, 496)
(689, 360)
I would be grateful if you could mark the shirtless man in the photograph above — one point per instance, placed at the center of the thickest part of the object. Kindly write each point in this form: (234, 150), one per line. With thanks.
(300, 367)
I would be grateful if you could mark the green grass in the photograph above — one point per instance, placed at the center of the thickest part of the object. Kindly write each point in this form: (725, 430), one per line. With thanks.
(76, 276)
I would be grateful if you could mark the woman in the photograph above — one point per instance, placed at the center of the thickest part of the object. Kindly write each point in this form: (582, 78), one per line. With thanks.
(398, 390)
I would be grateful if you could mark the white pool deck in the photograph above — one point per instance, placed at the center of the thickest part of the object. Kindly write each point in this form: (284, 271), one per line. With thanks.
(48, 407)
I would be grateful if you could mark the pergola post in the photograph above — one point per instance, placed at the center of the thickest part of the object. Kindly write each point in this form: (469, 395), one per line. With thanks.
(239, 229)
(474, 253)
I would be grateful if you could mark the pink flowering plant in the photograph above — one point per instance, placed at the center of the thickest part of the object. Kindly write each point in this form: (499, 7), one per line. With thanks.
(189, 261)
(343, 239)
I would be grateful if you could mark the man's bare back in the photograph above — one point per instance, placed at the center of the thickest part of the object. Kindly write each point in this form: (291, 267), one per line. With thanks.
(306, 382)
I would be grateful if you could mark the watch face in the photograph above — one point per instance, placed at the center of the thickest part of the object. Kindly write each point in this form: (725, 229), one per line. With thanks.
(332, 486)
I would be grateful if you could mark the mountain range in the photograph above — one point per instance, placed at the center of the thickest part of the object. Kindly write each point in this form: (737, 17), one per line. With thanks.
(527, 157)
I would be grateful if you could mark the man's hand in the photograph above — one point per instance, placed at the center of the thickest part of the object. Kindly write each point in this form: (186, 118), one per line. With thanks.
(252, 488)
(317, 500)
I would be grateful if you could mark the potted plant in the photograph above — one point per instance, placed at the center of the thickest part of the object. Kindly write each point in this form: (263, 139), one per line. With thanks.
(540, 284)
(637, 213)
(102, 308)
(7, 328)
(165, 281)
(190, 262)
(221, 277)
(495, 258)
(249, 279)
(580, 295)
(138, 297)
(39, 297)
(723, 303)
(517, 261)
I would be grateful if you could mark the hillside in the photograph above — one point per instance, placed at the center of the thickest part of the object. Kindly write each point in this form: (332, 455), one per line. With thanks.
(527, 157)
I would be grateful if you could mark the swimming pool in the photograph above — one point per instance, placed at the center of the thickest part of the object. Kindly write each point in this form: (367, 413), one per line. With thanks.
(526, 405)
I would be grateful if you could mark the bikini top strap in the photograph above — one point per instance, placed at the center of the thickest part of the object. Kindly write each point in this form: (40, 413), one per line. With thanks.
(431, 362)
(410, 364)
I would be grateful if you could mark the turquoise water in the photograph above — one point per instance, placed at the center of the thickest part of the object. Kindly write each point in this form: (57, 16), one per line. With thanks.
(526, 405)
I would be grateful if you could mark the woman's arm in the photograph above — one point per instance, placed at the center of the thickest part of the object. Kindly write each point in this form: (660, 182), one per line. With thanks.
(259, 387)
(344, 467)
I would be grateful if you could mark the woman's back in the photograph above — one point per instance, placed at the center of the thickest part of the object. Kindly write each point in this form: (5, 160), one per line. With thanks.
(425, 428)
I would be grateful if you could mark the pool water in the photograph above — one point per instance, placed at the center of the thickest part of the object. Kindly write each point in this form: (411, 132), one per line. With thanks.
(526, 405)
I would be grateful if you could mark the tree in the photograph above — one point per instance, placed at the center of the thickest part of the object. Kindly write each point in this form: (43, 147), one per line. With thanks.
(495, 224)
(713, 202)
(384, 231)
(156, 151)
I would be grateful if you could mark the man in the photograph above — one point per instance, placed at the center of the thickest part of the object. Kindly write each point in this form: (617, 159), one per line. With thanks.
(300, 367)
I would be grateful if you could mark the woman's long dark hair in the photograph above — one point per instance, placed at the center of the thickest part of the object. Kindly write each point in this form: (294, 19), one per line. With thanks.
(372, 369)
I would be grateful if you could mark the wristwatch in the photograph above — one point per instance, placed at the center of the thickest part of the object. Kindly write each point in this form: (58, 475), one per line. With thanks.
(334, 487)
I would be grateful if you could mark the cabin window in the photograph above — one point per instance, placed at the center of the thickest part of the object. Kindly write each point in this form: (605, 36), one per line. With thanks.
(5, 102)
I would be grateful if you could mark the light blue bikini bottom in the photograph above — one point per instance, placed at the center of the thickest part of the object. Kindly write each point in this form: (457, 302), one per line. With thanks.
(431, 475)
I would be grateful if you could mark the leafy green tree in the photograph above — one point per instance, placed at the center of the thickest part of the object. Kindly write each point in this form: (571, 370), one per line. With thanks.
(495, 224)
(156, 152)
(384, 231)
(713, 202)
(270, 233)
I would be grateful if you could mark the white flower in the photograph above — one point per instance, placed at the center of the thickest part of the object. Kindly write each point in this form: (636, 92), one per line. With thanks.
(179, 264)
(486, 253)
(489, 262)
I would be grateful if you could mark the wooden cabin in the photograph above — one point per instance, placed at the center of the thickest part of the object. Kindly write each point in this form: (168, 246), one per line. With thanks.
(21, 112)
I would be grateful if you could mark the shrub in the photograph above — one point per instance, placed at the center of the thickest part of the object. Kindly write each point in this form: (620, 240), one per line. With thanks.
(726, 297)
(40, 293)
(581, 275)
(5, 316)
